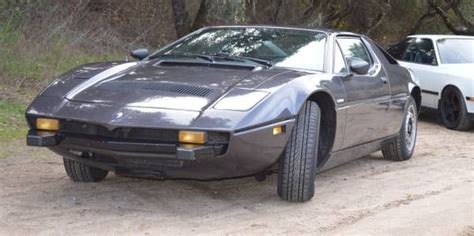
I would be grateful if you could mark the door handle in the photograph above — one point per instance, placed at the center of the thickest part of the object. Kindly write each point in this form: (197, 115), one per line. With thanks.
(384, 79)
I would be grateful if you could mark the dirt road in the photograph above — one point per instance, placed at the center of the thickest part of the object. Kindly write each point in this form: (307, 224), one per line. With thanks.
(433, 193)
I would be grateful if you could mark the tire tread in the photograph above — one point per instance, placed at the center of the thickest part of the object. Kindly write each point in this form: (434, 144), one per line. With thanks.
(394, 150)
(80, 172)
(298, 167)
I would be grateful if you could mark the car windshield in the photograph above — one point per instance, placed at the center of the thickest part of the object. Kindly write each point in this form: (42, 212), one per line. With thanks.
(456, 51)
(302, 49)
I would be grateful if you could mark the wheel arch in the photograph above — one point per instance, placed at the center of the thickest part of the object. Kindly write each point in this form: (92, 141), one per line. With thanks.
(327, 132)
(440, 96)
(416, 94)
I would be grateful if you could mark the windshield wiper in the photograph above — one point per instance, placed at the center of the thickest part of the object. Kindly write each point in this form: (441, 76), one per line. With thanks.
(228, 56)
(187, 54)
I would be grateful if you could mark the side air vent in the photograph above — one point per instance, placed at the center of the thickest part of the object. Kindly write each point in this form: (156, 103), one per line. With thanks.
(186, 89)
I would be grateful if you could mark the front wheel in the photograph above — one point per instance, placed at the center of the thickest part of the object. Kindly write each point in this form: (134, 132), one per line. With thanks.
(402, 147)
(298, 163)
(80, 172)
(452, 109)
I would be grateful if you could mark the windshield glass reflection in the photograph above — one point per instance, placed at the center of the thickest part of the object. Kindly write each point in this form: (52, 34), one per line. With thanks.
(302, 49)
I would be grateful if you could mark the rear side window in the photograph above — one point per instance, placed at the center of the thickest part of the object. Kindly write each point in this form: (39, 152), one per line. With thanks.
(354, 48)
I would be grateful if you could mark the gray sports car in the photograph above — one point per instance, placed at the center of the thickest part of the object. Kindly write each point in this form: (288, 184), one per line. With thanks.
(231, 101)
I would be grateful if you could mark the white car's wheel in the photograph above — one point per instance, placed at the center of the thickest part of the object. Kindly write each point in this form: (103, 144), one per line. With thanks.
(452, 109)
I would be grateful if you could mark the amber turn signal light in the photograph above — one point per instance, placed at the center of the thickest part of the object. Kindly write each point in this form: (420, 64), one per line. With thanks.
(193, 137)
(278, 130)
(47, 124)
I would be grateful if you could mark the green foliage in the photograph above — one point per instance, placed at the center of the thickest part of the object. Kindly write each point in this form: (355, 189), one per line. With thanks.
(20, 60)
(12, 121)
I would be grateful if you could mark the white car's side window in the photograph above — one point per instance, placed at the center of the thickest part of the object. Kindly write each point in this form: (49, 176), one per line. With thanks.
(420, 51)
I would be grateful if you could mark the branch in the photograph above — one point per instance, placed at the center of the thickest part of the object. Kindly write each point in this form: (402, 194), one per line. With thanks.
(455, 7)
(445, 18)
(250, 10)
(277, 11)
(201, 15)
(181, 17)
(421, 20)
(434, 10)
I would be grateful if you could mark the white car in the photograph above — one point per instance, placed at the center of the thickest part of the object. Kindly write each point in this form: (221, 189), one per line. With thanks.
(444, 67)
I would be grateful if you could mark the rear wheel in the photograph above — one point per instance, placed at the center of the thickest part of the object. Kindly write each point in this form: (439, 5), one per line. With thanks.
(298, 163)
(402, 148)
(452, 109)
(80, 172)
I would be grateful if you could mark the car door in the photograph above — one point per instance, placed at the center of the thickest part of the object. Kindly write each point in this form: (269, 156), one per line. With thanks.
(419, 55)
(367, 95)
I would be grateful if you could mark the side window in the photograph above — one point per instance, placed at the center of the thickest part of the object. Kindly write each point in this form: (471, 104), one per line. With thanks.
(410, 51)
(426, 52)
(420, 51)
(397, 50)
(339, 62)
(354, 48)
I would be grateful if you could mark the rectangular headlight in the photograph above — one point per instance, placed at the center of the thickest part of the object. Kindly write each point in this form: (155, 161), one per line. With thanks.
(193, 137)
(47, 124)
(240, 100)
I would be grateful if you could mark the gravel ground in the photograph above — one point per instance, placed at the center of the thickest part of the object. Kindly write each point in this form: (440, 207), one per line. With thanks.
(431, 194)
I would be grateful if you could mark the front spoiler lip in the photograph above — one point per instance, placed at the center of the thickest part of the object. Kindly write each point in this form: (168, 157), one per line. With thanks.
(42, 139)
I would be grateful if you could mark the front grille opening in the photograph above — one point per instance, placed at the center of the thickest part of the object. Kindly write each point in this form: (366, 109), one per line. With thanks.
(138, 134)
(167, 136)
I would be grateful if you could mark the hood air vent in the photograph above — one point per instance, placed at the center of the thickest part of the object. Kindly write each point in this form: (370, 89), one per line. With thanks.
(186, 89)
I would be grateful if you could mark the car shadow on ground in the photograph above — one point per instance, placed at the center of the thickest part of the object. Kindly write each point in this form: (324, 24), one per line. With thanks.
(432, 117)
(124, 196)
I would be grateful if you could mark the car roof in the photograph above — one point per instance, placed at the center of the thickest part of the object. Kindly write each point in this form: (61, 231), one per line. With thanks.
(441, 36)
(325, 30)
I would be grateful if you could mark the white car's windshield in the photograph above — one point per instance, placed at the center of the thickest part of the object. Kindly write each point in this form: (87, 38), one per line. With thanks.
(456, 51)
(280, 47)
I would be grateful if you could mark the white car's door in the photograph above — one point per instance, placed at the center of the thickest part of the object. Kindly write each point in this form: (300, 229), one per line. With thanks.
(419, 55)
(429, 81)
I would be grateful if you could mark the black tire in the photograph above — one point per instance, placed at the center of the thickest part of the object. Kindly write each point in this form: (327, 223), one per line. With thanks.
(402, 147)
(80, 172)
(298, 162)
(452, 109)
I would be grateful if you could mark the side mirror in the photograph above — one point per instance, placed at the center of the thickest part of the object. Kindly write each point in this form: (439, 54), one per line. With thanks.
(359, 66)
(140, 54)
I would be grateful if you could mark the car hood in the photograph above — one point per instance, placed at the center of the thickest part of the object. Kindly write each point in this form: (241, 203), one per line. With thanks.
(154, 84)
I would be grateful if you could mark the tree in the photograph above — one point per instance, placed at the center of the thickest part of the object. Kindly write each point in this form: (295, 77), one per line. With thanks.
(450, 14)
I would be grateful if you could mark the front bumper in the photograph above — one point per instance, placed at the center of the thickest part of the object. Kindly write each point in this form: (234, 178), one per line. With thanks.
(470, 108)
(79, 145)
(246, 153)
(470, 105)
